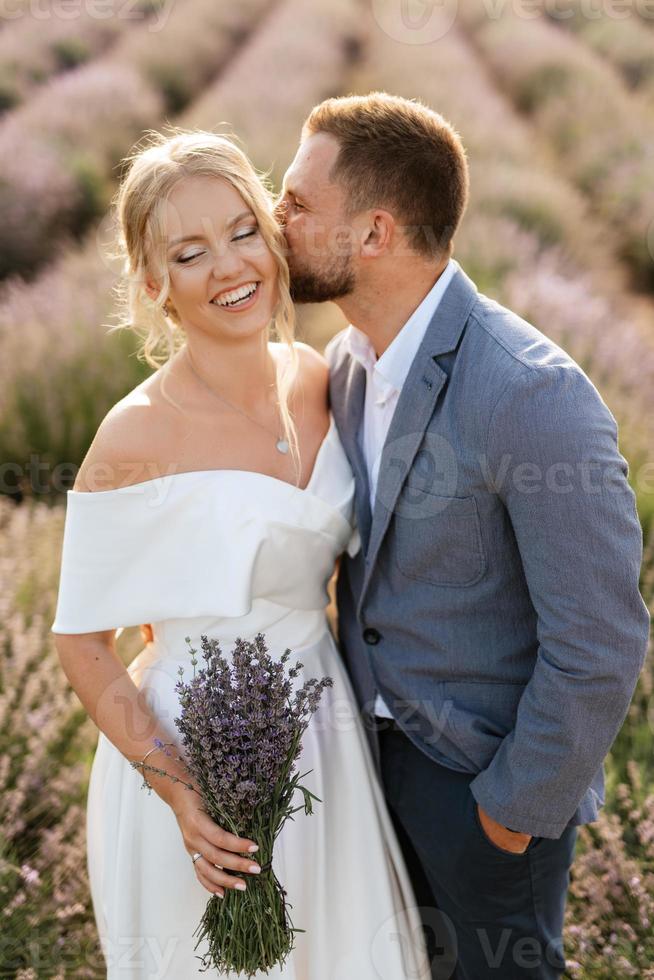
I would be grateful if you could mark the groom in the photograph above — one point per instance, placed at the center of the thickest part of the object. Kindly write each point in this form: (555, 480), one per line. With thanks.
(491, 621)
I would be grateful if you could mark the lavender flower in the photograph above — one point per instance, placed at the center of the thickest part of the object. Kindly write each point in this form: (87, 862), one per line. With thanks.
(241, 724)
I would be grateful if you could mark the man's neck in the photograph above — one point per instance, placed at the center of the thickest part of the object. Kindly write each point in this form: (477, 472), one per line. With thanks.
(381, 309)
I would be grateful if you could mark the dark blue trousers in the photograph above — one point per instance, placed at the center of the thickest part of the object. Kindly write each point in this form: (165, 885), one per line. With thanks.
(488, 914)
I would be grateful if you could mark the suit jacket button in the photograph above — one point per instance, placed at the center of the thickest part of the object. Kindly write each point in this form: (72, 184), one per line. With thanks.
(371, 635)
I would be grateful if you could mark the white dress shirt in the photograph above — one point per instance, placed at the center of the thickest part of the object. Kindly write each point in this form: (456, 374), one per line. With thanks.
(385, 377)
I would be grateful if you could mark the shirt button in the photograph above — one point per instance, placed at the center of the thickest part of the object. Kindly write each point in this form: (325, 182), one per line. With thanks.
(371, 635)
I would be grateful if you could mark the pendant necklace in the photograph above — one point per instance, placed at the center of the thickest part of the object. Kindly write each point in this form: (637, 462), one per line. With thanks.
(281, 444)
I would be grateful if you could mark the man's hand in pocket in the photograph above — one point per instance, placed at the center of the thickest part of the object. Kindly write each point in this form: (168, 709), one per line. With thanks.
(501, 836)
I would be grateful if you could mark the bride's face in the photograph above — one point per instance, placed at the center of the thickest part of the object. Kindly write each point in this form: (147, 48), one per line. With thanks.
(223, 276)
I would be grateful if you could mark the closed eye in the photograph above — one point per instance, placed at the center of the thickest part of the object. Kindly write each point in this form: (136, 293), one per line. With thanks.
(188, 258)
(183, 259)
(247, 234)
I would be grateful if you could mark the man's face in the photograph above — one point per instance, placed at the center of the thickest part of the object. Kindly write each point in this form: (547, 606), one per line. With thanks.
(312, 211)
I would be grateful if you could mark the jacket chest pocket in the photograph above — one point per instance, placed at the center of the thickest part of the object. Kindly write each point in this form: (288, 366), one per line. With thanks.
(438, 539)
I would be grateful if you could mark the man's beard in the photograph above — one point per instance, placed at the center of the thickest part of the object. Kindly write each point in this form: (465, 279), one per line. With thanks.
(322, 286)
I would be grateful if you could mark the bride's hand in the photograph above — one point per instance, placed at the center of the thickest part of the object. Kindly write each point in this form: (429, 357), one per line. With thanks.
(217, 847)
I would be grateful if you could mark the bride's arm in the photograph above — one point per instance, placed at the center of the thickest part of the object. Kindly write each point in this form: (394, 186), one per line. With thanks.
(117, 706)
(105, 687)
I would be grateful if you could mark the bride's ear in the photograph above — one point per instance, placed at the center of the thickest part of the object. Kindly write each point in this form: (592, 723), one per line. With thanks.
(151, 288)
(152, 291)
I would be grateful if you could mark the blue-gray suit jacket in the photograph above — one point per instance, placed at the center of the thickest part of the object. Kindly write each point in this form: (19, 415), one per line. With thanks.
(495, 600)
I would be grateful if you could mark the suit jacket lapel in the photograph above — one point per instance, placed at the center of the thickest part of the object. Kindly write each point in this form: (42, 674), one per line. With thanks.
(416, 405)
(349, 385)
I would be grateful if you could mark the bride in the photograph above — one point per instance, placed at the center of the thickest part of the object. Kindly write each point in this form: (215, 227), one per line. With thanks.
(215, 499)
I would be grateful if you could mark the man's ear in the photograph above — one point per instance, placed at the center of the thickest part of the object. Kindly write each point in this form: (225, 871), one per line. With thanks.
(378, 233)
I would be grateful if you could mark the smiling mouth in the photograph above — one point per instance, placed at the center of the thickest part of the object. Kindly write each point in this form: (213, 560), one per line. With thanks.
(237, 298)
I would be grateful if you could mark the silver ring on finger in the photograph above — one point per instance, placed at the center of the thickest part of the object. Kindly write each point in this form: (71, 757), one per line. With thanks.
(196, 856)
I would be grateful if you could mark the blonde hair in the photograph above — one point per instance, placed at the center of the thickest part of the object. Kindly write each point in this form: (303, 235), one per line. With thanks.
(157, 163)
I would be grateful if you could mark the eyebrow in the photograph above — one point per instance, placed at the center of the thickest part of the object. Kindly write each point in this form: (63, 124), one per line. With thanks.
(298, 195)
(293, 191)
(195, 238)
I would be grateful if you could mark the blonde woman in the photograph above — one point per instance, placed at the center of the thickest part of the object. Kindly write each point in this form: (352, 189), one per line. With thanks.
(215, 499)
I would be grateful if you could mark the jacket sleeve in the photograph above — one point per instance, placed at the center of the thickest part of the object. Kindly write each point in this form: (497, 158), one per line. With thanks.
(564, 486)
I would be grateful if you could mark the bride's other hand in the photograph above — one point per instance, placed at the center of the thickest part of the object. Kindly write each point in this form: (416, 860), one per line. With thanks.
(219, 849)
(146, 633)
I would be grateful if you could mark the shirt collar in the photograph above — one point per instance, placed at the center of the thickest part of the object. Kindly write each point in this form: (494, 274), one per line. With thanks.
(390, 370)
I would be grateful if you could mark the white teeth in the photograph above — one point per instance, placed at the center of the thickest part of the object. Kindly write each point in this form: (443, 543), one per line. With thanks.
(236, 295)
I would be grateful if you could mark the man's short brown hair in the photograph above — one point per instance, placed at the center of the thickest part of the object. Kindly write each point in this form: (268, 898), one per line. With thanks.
(401, 155)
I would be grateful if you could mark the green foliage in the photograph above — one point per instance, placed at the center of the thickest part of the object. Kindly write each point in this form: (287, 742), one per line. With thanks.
(9, 93)
(540, 86)
(70, 52)
(47, 424)
(93, 191)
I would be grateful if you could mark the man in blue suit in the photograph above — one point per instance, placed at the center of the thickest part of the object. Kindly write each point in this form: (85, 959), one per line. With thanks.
(491, 621)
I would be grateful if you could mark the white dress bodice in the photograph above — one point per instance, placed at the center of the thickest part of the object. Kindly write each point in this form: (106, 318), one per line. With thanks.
(209, 545)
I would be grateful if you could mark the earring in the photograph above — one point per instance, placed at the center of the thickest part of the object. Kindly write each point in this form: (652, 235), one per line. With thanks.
(166, 310)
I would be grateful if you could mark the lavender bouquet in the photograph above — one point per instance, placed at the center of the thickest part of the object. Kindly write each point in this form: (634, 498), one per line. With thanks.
(242, 733)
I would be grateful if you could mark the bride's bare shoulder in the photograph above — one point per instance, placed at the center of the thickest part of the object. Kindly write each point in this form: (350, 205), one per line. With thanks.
(129, 440)
(313, 371)
(134, 439)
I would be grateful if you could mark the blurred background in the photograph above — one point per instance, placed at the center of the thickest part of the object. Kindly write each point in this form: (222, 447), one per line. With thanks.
(555, 105)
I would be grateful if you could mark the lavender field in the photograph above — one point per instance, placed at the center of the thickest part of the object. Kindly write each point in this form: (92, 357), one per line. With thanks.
(555, 104)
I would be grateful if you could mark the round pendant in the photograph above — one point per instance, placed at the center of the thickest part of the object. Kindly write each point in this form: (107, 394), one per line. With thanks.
(282, 445)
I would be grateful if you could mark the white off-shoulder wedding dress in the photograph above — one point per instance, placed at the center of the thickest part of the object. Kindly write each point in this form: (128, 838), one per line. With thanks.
(230, 553)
